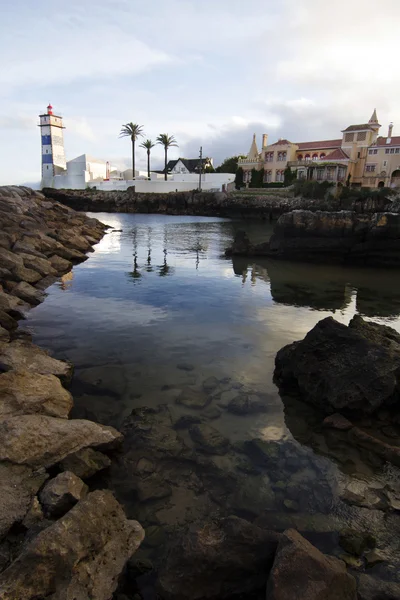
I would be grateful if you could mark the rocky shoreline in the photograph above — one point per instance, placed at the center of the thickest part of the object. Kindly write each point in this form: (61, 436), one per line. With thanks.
(57, 538)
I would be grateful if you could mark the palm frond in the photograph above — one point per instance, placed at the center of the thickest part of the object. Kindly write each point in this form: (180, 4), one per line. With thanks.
(147, 144)
(166, 140)
(132, 130)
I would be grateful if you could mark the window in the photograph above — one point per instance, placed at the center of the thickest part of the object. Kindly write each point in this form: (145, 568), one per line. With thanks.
(315, 156)
(322, 155)
(397, 150)
(385, 163)
(370, 151)
(269, 157)
(281, 156)
(349, 137)
(387, 150)
(375, 151)
(361, 136)
(391, 150)
(331, 173)
(358, 155)
(308, 157)
(370, 168)
(267, 176)
(320, 174)
(300, 157)
(279, 176)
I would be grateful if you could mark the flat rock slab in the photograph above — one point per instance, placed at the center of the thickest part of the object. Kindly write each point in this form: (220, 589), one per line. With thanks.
(22, 355)
(80, 556)
(60, 494)
(208, 439)
(85, 462)
(42, 441)
(302, 571)
(25, 392)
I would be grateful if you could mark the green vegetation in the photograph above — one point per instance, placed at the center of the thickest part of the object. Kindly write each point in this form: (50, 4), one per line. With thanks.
(147, 145)
(289, 176)
(168, 141)
(230, 165)
(315, 190)
(239, 178)
(132, 130)
(311, 189)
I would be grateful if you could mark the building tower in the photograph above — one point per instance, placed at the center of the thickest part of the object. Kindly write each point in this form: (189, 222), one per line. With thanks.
(53, 153)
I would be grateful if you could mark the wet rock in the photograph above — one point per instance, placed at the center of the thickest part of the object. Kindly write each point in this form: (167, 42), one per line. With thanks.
(337, 421)
(360, 493)
(80, 556)
(302, 571)
(248, 404)
(185, 367)
(210, 384)
(370, 588)
(60, 265)
(25, 392)
(241, 245)
(343, 369)
(352, 561)
(19, 485)
(193, 398)
(42, 441)
(28, 293)
(252, 495)
(21, 355)
(212, 413)
(152, 488)
(217, 560)
(224, 397)
(34, 514)
(7, 322)
(208, 439)
(374, 557)
(154, 536)
(85, 462)
(387, 452)
(60, 494)
(356, 542)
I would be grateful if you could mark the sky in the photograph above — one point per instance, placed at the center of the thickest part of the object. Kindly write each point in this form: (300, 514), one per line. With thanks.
(210, 73)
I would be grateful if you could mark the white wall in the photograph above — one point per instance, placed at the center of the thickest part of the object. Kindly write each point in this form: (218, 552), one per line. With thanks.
(180, 183)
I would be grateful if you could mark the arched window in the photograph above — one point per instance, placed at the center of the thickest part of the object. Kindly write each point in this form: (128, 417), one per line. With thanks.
(300, 157)
(315, 156)
(307, 157)
(322, 155)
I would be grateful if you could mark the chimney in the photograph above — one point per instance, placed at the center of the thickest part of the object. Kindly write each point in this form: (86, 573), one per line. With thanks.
(390, 131)
(265, 140)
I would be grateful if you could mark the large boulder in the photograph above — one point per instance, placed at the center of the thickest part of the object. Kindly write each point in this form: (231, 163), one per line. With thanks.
(60, 494)
(217, 560)
(41, 441)
(23, 355)
(81, 556)
(28, 293)
(336, 368)
(25, 392)
(301, 571)
(370, 588)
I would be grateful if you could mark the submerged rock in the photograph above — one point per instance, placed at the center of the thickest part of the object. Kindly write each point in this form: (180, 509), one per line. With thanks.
(208, 439)
(80, 556)
(336, 368)
(302, 571)
(192, 398)
(217, 561)
(248, 404)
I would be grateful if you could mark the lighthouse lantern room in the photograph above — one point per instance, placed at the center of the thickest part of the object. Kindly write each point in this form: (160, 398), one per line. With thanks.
(53, 153)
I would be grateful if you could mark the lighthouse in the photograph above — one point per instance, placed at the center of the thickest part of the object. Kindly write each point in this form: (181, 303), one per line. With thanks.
(53, 153)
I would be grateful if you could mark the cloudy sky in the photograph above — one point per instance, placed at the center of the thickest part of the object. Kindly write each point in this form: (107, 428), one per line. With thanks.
(210, 72)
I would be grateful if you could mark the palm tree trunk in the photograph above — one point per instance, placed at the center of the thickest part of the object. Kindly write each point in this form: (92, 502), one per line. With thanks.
(133, 159)
(148, 164)
(166, 161)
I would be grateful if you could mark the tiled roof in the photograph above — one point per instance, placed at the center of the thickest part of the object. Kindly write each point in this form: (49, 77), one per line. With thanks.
(394, 141)
(337, 154)
(191, 164)
(361, 127)
(280, 143)
(320, 145)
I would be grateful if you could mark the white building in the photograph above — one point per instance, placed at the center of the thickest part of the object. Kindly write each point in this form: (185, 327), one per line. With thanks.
(87, 172)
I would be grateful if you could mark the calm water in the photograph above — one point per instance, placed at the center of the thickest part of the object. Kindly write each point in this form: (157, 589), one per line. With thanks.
(157, 308)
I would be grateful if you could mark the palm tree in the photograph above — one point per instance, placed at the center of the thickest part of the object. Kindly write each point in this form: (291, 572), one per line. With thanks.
(132, 130)
(167, 141)
(147, 145)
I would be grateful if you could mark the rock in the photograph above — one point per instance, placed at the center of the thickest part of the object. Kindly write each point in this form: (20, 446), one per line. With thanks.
(370, 588)
(210, 384)
(208, 439)
(80, 556)
(343, 369)
(356, 542)
(60, 494)
(185, 367)
(25, 392)
(26, 275)
(291, 505)
(19, 485)
(302, 571)
(152, 488)
(85, 462)
(366, 441)
(248, 404)
(9, 260)
(41, 265)
(351, 561)
(21, 355)
(28, 293)
(241, 245)
(337, 421)
(212, 413)
(373, 557)
(359, 493)
(42, 441)
(34, 514)
(60, 265)
(217, 561)
(7, 322)
(4, 335)
(394, 500)
(193, 398)
(154, 536)
(16, 307)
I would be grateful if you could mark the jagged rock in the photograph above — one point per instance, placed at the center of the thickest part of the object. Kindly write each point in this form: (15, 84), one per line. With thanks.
(42, 441)
(302, 571)
(41, 265)
(24, 392)
(193, 398)
(60, 494)
(21, 355)
(13, 305)
(350, 369)
(28, 293)
(208, 439)
(26, 275)
(60, 265)
(360, 493)
(9, 260)
(387, 452)
(356, 542)
(34, 514)
(370, 588)
(152, 488)
(248, 404)
(4, 335)
(18, 486)
(80, 556)
(217, 561)
(85, 463)
(373, 557)
(7, 322)
(337, 421)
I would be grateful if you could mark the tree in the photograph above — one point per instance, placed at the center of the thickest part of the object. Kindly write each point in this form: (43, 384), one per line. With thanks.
(167, 141)
(257, 178)
(147, 145)
(229, 165)
(289, 176)
(132, 130)
(239, 178)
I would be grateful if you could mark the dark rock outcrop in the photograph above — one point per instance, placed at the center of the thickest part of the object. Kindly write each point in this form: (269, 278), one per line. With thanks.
(337, 237)
(336, 368)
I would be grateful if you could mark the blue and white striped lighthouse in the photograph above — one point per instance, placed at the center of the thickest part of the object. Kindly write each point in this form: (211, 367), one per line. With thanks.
(53, 153)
